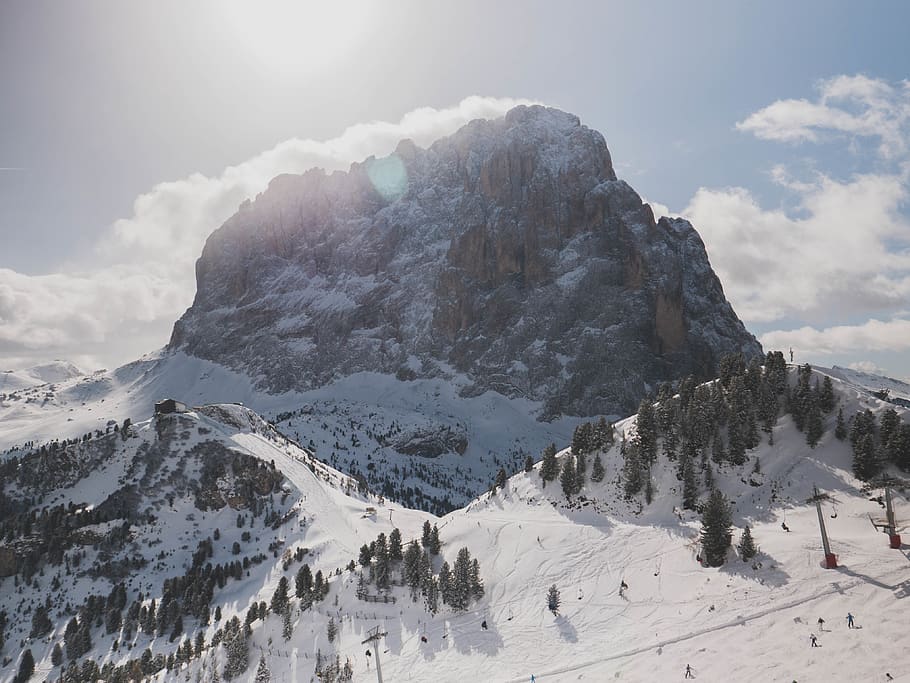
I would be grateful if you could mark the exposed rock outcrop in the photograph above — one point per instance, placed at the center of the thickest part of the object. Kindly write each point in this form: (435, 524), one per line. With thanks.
(508, 253)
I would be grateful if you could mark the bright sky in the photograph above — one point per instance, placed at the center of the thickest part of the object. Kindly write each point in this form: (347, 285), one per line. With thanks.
(129, 131)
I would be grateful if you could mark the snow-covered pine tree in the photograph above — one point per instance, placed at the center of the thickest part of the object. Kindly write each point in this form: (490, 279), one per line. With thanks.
(747, 547)
(865, 458)
(646, 433)
(840, 427)
(395, 545)
(26, 667)
(718, 452)
(597, 470)
(445, 583)
(331, 630)
(815, 428)
(380, 566)
(549, 467)
(716, 531)
(631, 469)
(287, 626)
(237, 649)
(263, 675)
(690, 486)
(567, 478)
(435, 543)
(603, 434)
(553, 599)
(826, 398)
(887, 424)
(57, 655)
(461, 581)
(431, 595)
(280, 596)
(529, 463)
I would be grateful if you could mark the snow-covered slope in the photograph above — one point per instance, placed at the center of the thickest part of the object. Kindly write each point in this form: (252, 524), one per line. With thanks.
(56, 371)
(740, 622)
(377, 425)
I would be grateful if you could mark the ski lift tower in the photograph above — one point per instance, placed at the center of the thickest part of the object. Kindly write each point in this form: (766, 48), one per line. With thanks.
(373, 635)
(888, 525)
(817, 498)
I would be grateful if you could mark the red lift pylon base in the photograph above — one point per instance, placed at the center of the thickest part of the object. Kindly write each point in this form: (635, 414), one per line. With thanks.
(895, 540)
(830, 561)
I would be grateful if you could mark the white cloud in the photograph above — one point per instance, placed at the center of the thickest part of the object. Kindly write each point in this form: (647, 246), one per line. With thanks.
(873, 336)
(126, 305)
(845, 250)
(847, 105)
(868, 367)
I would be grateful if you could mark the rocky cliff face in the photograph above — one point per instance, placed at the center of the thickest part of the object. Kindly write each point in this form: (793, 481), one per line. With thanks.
(508, 254)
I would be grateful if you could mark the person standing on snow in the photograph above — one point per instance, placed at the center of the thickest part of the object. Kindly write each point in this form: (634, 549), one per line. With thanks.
(821, 624)
(689, 671)
(813, 640)
(849, 620)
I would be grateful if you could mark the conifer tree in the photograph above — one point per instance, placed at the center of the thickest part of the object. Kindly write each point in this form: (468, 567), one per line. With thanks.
(747, 548)
(331, 630)
(898, 447)
(57, 655)
(41, 622)
(737, 449)
(840, 427)
(529, 463)
(865, 458)
(395, 545)
(887, 424)
(425, 536)
(553, 599)
(303, 585)
(280, 596)
(826, 396)
(690, 487)
(646, 433)
(631, 469)
(263, 675)
(718, 452)
(435, 543)
(716, 530)
(26, 667)
(567, 479)
(549, 467)
(445, 583)
(597, 470)
(814, 426)
(501, 479)
(603, 434)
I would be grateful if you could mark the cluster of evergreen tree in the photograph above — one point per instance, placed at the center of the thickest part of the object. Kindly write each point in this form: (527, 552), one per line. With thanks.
(456, 586)
(310, 588)
(808, 403)
(590, 437)
(699, 427)
(875, 446)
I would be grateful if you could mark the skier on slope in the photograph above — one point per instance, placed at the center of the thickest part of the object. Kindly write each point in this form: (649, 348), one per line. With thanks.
(849, 620)
(821, 624)
(622, 587)
(813, 640)
(483, 624)
(688, 671)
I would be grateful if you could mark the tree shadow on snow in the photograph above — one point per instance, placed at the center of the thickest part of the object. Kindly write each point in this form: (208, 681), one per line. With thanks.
(762, 569)
(566, 630)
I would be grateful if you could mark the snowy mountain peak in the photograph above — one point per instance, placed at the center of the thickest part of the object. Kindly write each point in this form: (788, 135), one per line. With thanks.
(507, 255)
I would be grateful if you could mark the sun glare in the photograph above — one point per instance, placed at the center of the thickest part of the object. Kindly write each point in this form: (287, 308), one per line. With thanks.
(297, 36)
